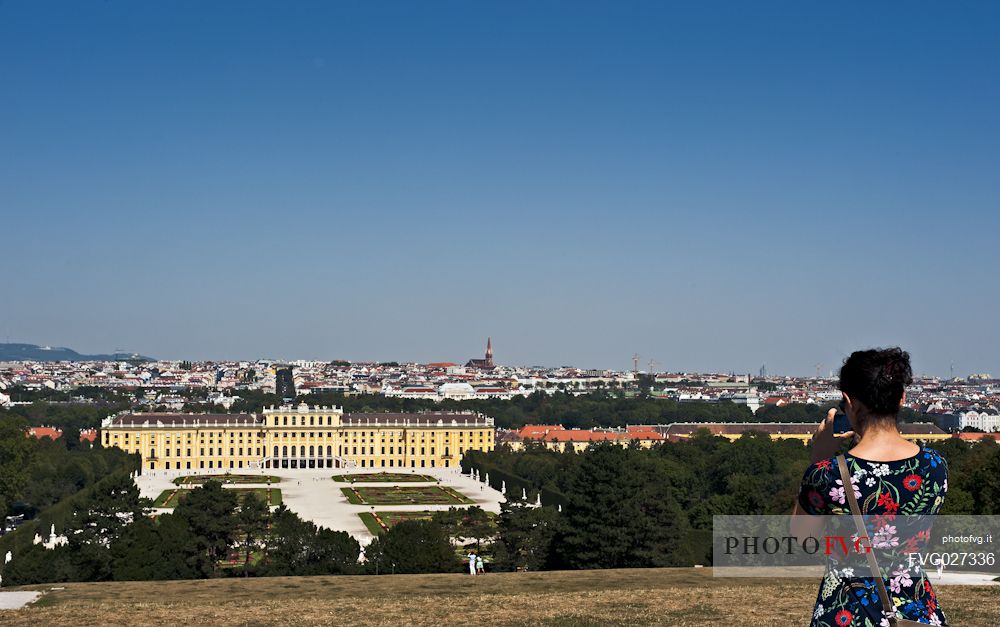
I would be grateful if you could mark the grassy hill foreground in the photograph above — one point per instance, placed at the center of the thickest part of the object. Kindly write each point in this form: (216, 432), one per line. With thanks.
(643, 596)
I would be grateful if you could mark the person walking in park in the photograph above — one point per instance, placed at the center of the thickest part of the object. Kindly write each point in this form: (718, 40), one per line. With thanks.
(472, 563)
(480, 569)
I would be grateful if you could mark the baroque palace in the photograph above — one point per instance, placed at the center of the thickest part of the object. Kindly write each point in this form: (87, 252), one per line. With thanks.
(299, 437)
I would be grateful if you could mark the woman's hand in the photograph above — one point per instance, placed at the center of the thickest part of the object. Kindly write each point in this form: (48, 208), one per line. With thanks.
(826, 443)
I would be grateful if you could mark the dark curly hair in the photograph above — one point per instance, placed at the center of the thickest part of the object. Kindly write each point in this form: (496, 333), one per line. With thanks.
(877, 377)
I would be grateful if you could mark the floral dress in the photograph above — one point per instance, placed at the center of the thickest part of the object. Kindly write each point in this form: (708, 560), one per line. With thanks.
(908, 487)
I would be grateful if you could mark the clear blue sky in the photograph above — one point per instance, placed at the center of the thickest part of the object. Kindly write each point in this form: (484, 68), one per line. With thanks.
(714, 185)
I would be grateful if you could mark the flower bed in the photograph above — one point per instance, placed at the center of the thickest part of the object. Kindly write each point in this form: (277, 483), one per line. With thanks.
(405, 495)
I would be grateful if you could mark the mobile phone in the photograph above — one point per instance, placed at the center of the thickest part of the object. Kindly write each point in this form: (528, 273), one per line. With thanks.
(840, 422)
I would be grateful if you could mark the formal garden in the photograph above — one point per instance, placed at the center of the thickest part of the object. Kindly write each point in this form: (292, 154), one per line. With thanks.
(405, 495)
(226, 479)
(383, 477)
(380, 522)
(270, 496)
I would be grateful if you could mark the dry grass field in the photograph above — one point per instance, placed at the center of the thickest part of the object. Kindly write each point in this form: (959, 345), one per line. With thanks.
(676, 597)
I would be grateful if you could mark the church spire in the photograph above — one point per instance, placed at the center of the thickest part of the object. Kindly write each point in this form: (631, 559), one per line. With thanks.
(489, 352)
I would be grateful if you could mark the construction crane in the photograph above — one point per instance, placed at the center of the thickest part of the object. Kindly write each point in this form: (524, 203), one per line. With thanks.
(652, 365)
(818, 366)
(635, 363)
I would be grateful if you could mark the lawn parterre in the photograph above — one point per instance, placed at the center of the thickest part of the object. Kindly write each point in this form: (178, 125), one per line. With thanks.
(383, 477)
(226, 479)
(405, 495)
(170, 498)
(380, 522)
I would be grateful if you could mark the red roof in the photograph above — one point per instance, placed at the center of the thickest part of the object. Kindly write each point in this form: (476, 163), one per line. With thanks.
(45, 432)
(536, 432)
(978, 436)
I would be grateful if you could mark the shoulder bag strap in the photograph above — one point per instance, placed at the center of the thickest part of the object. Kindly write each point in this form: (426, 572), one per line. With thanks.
(859, 522)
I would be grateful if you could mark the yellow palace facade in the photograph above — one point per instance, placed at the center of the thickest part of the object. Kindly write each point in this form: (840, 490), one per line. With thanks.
(299, 437)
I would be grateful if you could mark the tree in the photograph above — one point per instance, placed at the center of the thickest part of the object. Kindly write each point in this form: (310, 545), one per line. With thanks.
(155, 550)
(71, 437)
(620, 513)
(210, 513)
(113, 505)
(298, 547)
(412, 546)
(252, 520)
(16, 452)
(525, 538)
(36, 564)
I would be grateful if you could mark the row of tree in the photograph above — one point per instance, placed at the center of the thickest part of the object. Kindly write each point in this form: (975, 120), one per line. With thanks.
(211, 532)
(38, 473)
(631, 507)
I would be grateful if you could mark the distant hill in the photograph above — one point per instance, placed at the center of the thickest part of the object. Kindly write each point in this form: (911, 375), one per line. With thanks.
(33, 352)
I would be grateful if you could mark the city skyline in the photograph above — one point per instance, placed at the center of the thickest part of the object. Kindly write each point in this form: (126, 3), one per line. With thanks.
(713, 188)
(639, 363)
